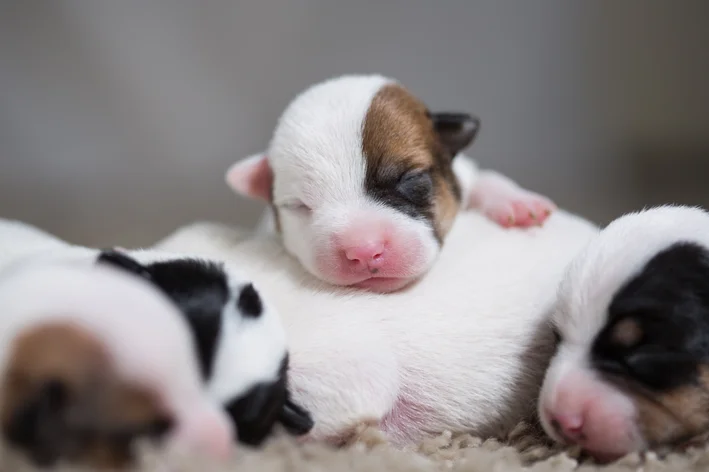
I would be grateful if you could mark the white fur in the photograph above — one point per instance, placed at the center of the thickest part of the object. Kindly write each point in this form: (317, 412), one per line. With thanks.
(250, 349)
(609, 261)
(463, 350)
(317, 157)
(146, 338)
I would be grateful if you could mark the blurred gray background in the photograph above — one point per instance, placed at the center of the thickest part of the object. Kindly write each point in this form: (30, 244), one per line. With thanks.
(119, 118)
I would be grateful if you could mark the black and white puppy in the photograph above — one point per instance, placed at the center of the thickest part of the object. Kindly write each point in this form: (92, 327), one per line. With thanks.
(88, 358)
(632, 368)
(239, 339)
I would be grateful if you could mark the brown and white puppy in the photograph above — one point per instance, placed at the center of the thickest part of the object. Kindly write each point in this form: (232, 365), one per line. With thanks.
(632, 367)
(365, 182)
(92, 359)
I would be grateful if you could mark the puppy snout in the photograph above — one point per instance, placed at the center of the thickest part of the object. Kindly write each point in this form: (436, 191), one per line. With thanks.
(365, 255)
(569, 427)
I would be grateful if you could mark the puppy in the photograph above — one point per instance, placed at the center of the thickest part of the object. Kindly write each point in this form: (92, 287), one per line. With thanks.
(365, 182)
(632, 367)
(462, 350)
(92, 359)
(240, 342)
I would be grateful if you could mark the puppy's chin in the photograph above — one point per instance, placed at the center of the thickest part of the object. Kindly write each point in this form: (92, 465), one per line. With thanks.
(385, 284)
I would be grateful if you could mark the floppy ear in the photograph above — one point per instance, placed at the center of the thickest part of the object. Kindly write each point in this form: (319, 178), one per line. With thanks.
(123, 261)
(456, 131)
(295, 419)
(251, 177)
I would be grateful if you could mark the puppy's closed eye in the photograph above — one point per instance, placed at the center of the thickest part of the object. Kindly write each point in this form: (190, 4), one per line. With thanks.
(557, 336)
(296, 206)
(416, 186)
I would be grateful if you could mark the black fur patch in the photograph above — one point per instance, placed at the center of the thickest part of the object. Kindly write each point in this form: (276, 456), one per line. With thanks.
(200, 290)
(456, 131)
(410, 192)
(39, 426)
(264, 406)
(249, 302)
(48, 428)
(669, 301)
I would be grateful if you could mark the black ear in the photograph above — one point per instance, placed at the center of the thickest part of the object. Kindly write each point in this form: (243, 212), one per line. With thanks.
(122, 261)
(456, 131)
(295, 419)
(38, 425)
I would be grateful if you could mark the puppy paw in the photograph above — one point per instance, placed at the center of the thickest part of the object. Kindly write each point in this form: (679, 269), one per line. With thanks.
(518, 208)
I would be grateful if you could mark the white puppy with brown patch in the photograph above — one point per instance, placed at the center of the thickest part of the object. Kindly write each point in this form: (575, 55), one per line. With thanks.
(365, 182)
(92, 359)
(462, 350)
(632, 367)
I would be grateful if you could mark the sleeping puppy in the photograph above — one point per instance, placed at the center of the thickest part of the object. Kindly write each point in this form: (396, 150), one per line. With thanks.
(91, 360)
(240, 341)
(632, 367)
(365, 182)
(436, 357)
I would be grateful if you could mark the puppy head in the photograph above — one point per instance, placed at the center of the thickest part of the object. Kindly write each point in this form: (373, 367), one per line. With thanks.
(632, 367)
(240, 341)
(79, 380)
(359, 174)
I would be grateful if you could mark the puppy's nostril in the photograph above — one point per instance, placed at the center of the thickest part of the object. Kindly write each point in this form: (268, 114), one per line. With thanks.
(570, 429)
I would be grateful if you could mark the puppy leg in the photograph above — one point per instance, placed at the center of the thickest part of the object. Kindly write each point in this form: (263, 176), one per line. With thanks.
(500, 198)
(353, 386)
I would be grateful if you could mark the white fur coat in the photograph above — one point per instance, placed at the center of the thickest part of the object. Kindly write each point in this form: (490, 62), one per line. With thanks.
(463, 350)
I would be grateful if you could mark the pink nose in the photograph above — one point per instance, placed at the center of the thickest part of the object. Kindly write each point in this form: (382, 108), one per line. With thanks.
(570, 427)
(369, 254)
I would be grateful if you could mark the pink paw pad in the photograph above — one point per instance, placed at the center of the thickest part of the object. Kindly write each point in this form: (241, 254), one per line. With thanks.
(521, 209)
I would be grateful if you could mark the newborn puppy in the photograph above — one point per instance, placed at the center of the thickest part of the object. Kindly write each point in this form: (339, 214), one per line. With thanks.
(632, 367)
(365, 182)
(241, 344)
(438, 357)
(239, 338)
(92, 359)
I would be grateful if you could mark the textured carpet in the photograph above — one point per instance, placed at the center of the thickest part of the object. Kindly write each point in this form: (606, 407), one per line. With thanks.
(523, 449)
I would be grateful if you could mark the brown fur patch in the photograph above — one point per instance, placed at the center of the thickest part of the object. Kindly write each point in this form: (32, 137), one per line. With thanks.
(677, 415)
(627, 333)
(95, 403)
(397, 137)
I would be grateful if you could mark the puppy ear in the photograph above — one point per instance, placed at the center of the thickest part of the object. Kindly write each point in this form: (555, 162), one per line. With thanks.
(38, 425)
(123, 261)
(295, 419)
(251, 177)
(456, 131)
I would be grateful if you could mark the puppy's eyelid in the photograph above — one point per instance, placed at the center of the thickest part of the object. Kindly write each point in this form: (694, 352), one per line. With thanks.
(415, 174)
(295, 205)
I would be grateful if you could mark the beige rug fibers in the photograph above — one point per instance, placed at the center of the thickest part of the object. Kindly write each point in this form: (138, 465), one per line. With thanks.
(524, 449)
